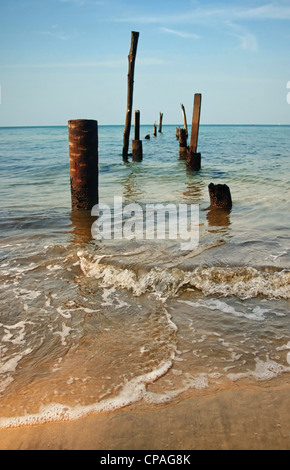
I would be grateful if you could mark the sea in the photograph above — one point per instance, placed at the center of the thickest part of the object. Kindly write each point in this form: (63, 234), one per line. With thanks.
(90, 325)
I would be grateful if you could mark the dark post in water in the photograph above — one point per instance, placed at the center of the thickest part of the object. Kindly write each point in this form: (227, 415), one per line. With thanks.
(160, 122)
(193, 158)
(83, 155)
(137, 151)
(183, 149)
(131, 70)
(220, 196)
(155, 130)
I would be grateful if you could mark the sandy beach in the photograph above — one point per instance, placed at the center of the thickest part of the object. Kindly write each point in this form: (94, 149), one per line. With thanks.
(236, 419)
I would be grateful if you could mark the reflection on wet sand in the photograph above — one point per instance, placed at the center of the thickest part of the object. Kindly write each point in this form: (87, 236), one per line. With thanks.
(82, 222)
(217, 217)
(194, 190)
(132, 185)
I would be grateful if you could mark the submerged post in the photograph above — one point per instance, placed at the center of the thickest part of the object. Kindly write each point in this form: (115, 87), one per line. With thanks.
(182, 144)
(220, 196)
(160, 122)
(137, 150)
(193, 158)
(131, 70)
(83, 153)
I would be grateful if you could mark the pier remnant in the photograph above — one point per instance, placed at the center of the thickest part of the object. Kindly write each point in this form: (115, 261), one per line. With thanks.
(193, 160)
(137, 150)
(155, 130)
(220, 196)
(160, 122)
(183, 149)
(83, 154)
(131, 70)
(184, 119)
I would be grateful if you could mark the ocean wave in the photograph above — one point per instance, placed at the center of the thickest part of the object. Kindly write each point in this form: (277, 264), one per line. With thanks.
(241, 281)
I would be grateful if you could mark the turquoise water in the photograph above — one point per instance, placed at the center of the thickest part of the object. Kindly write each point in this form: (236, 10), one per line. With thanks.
(88, 325)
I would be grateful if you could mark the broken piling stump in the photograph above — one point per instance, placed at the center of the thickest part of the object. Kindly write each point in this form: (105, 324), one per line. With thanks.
(182, 144)
(131, 70)
(155, 130)
(220, 196)
(160, 122)
(137, 150)
(193, 160)
(83, 155)
(184, 119)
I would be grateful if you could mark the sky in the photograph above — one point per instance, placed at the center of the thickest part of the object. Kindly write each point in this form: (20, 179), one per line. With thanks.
(68, 59)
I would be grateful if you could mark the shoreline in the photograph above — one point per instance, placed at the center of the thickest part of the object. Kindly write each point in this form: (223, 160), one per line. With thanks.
(248, 418)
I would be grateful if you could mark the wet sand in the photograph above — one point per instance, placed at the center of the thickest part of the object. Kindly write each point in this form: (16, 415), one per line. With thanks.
(255, 418)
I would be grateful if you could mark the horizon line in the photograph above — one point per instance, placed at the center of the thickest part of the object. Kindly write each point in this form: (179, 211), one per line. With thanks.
(143, 125)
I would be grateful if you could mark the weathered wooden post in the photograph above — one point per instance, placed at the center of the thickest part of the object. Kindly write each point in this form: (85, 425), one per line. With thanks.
(137, 151)
(183, 149)
(83, 153)
(220, 196)
(131, 70)
(160, 122)
(155, 129)
(184, 120)
(193, 160)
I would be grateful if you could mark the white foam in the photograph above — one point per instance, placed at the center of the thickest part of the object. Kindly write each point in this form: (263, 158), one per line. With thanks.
(216, 304)
(265, 370)
(133, 391)
(63, 333)
(243, 282)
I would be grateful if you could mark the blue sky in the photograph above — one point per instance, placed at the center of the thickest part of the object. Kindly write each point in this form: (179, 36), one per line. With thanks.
(67, 59)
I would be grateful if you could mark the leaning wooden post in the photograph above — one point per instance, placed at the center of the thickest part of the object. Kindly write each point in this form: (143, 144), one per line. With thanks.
(83, 153)
(184, 120)
(137, 151)
(193, 160)
(131, 70)
(160, 122)
(182, 144)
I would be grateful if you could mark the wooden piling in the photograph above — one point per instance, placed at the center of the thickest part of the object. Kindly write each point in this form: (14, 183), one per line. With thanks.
(160, 122)
(182, 144)
(184, 119)
(83, 153)
(137, 125)
(155, 129)
(131, 70)
(193, 160)
(137, 149)
(220, 196)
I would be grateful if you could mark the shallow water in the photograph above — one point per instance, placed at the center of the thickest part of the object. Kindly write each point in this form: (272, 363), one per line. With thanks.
(91, 325)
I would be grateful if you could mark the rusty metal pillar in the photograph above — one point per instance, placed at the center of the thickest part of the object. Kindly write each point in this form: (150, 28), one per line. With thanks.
(83, 153)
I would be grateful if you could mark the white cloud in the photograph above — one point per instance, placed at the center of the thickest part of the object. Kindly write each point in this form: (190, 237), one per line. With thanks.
(181, 34)
(270, 11)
